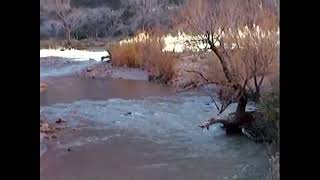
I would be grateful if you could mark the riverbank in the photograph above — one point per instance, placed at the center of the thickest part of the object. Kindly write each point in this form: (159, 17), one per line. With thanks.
(180, 78)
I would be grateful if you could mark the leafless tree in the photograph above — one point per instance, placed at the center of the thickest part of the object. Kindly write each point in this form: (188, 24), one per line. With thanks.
(244, 59)
(148, 12)
(69, 18)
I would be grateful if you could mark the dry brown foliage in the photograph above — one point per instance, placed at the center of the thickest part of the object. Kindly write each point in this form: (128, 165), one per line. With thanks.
(147, 55)
(127, 55)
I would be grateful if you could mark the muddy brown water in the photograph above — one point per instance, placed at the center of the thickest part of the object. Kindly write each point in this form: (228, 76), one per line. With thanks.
(72, 88)
(133, 129)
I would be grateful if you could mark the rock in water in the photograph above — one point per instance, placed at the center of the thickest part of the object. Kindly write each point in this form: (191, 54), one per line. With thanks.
(128, 113)
(60, 121)
(44, 127)
(106, 58)
(43, 87)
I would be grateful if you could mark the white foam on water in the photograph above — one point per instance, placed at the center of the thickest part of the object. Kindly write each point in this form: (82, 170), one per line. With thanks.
(75, 54)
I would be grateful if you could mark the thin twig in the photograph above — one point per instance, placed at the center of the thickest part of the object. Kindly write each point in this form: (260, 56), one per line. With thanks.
(213, 100)
(193, 71)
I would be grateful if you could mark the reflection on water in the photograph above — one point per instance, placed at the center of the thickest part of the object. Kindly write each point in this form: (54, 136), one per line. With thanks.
(69, 89)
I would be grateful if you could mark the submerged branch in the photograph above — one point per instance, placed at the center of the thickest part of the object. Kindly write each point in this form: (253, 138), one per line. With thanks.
(213, 100)
(212, 121)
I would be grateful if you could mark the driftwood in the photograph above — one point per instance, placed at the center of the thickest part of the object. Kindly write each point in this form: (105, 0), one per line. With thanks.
(212, 121)
(246, 125)
(234, 124)
(230, 126)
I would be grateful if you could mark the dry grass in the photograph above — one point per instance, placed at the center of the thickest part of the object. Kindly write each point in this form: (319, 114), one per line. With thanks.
(147, 55)
(127, 55)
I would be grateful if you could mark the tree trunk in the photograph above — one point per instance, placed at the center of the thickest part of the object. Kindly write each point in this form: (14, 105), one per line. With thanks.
(235, 124)
(241, 107)
(257, 87)
(240, 118)
(257, 95)
(68, 37)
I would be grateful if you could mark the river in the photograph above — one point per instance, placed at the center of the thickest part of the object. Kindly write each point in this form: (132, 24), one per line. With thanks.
(137, 130)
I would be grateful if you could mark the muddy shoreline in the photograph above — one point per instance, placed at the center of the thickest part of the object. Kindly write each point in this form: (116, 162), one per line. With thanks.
(94, 69)
(98, 69)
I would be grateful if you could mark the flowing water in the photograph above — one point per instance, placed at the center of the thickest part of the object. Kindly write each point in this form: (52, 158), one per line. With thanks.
(137, 130)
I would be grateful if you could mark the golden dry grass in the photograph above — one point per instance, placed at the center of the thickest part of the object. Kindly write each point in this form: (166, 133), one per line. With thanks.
(147, 55)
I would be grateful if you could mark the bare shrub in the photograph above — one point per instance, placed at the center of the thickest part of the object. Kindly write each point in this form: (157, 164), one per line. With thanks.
(98, 22)
(160, 64)
(68, 17)
(116, 18)
(126, 55)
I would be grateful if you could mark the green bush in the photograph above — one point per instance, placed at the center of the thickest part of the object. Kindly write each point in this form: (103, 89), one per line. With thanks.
(270, 111)
(270, 103)
(267, 118)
